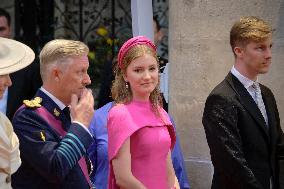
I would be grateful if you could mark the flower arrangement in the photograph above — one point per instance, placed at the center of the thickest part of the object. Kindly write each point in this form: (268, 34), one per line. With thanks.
(101, 51)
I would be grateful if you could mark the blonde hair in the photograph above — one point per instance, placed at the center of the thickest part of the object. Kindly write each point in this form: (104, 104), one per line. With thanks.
(119, 92)
(248, 29)
(57, 51)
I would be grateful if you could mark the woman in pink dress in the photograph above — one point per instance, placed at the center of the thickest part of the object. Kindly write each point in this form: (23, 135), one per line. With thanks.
(140, 133)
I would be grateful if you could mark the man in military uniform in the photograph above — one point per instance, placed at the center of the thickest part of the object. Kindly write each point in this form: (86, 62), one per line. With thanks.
(53, 143)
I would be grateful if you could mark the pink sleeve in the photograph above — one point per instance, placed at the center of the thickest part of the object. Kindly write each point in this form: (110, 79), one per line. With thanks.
(120, 126)
(170, 127)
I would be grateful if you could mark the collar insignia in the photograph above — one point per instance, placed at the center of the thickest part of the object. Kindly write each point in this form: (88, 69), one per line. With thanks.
(56, 112)
(42, 135)
(34, 103)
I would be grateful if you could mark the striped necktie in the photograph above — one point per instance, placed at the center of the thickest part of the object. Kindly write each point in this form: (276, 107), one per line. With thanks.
(259, 101)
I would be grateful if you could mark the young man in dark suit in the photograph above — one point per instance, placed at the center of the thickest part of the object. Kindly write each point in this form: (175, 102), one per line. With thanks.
(241, 119)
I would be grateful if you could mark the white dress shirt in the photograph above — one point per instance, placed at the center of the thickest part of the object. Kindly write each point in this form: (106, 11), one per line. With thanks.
(247, 83)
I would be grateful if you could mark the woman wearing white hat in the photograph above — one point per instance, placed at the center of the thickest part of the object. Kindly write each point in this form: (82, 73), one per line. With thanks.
(13, 57)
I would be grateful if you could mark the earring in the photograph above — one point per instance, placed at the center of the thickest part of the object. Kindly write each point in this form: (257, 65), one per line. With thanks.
(126, 85)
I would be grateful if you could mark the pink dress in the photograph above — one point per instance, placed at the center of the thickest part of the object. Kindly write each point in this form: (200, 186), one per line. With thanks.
(151, 138)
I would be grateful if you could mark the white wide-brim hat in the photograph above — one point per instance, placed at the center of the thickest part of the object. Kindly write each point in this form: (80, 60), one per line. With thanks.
(14, 56)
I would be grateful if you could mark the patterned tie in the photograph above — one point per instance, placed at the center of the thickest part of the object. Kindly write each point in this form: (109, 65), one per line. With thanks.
(259, 101)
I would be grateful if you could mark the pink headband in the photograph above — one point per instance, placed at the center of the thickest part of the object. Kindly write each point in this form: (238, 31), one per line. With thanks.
(138, 40)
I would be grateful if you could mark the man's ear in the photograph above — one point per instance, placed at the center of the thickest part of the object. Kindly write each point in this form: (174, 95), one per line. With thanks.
(56, 73)
(238, 51)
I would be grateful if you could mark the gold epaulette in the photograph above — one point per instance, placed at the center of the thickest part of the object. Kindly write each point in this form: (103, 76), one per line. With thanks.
(34, 103)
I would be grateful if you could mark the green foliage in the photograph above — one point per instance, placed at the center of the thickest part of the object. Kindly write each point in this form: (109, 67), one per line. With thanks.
(101, 51)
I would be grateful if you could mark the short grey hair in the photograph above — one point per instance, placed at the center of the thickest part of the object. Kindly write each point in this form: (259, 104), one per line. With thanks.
(58, 51)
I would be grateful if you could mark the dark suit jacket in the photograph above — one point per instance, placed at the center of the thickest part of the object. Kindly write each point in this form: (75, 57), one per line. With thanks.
(244, 151)
(25, 83)
(51, 162)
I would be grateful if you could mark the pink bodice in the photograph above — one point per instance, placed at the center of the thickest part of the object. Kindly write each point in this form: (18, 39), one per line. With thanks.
(149, 148)
(151, 138)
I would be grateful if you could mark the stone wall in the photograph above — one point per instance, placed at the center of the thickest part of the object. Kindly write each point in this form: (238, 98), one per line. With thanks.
(200, 57)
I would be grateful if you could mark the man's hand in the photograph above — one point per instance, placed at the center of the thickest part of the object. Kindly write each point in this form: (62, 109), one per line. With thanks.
(82, 110)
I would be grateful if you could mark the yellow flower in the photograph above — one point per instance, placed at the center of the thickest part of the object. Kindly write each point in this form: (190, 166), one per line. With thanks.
(92, 55)
(102, 31)
(109, 41)
(115, 41)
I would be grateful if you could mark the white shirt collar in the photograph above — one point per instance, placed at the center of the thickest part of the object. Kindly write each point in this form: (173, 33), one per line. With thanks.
(56, 100)
(244, 80)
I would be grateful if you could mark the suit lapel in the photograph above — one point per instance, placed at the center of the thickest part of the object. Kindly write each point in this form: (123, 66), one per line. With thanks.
(270, 111)
(247, 101)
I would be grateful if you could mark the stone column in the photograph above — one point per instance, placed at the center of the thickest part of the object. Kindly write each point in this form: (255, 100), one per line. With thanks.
(200, 57)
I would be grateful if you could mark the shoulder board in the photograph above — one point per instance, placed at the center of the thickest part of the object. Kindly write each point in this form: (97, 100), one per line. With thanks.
(34, 103)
